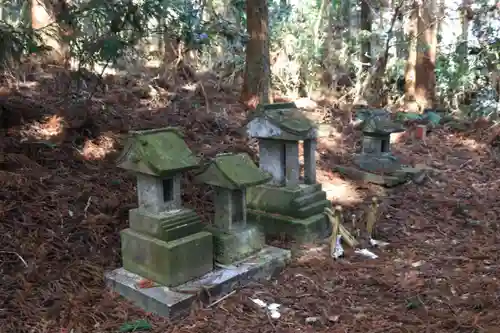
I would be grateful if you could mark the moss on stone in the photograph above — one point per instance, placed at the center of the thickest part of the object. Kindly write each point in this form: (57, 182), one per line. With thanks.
(233, 171)
(287, 117)
(157, 152)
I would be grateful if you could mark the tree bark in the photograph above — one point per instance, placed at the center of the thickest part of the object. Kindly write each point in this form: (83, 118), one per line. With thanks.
(43, 19)
(257, 79)
(425, 85)
(366, 25)
(410, 70)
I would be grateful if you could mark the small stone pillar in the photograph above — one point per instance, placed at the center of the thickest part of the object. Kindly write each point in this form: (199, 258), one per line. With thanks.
(310, 161)
(230, 175)
(289, 204)
(160, 230)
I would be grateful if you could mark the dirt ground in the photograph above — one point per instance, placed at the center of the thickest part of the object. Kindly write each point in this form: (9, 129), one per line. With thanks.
(63, 203)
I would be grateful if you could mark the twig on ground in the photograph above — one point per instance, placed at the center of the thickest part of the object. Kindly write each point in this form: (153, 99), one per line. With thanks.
(16, 254)
(221, 299)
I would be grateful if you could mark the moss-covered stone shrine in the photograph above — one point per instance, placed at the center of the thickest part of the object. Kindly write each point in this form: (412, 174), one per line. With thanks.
(165, 242)
(289, 204)
(376, 155)
(375, 162)
(230, 175)
(167, 253)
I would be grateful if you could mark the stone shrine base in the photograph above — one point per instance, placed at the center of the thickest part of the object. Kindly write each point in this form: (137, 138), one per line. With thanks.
(306, 230)
(176, 302)
(388, 180)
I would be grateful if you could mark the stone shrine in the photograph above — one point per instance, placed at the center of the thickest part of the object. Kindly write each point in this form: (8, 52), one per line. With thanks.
(376, 155)
(168, 255)
(165, 242)
(230, 175)
(289, 204)
(375, 162)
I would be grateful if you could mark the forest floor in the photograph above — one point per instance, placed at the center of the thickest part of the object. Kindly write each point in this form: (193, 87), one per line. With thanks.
(63, 203)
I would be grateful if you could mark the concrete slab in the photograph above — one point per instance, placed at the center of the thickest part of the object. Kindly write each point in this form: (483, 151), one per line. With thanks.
(176, 302)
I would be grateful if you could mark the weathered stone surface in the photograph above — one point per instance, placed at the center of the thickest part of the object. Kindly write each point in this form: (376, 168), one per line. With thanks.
(176, 302)
(157, 152)
(166, 226)
(157, 194)
(383, 163)
(310, 161)
(300, 230)
(169, 263)
(272, 158)
(292, 164)
(287, 201)
(230, 208)
(233, 171)
(237, 243)
(281, 121)
(386, 180)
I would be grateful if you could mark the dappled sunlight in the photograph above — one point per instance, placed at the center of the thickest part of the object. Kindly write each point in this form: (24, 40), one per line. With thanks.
(50, 129)
(312, 252)
(190, 87)
(342, 192)
(473, 144)
(99, 148)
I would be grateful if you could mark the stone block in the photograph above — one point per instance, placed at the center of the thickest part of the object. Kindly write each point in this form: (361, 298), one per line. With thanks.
(176, 302)
(292, 164)
(166, 226)
(169, 263)
(391, 180)
(310, 161)
(157, 194)
(281, 200)
(236, 244)
(299, 230)
(272, 159)
(230, 208)
(383, 163)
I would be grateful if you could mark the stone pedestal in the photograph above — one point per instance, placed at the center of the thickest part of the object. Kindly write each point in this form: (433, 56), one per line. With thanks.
(296, 212)
(236, 244)
(170, 248)
(176, 302)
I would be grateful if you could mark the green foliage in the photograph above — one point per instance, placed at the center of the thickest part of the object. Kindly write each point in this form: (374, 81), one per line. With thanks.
(302, 43)
(16, 37)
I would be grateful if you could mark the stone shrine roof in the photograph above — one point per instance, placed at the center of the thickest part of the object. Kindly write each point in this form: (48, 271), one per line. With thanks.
(233, 171)
(157, 152)
(281, 121)
(381, 126)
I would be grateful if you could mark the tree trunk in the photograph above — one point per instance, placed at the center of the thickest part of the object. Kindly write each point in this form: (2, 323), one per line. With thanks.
(257, 78)
(464, 43)
(366, 25)
(410, 70)
(43, 19)
(425, 86)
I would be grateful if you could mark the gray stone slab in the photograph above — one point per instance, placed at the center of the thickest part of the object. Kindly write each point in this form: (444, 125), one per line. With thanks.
(176, 302)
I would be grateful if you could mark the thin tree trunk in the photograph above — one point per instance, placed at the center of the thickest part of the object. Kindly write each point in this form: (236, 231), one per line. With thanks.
(425, 86)
(257, 79)
(410, 73)
(366, 25)
(464, 43)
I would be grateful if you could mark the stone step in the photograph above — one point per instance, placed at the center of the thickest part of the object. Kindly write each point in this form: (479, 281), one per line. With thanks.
(182, 226)
(309, 199)
(313, 209)
(176, 219)
(309, 189)
(182, 230)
